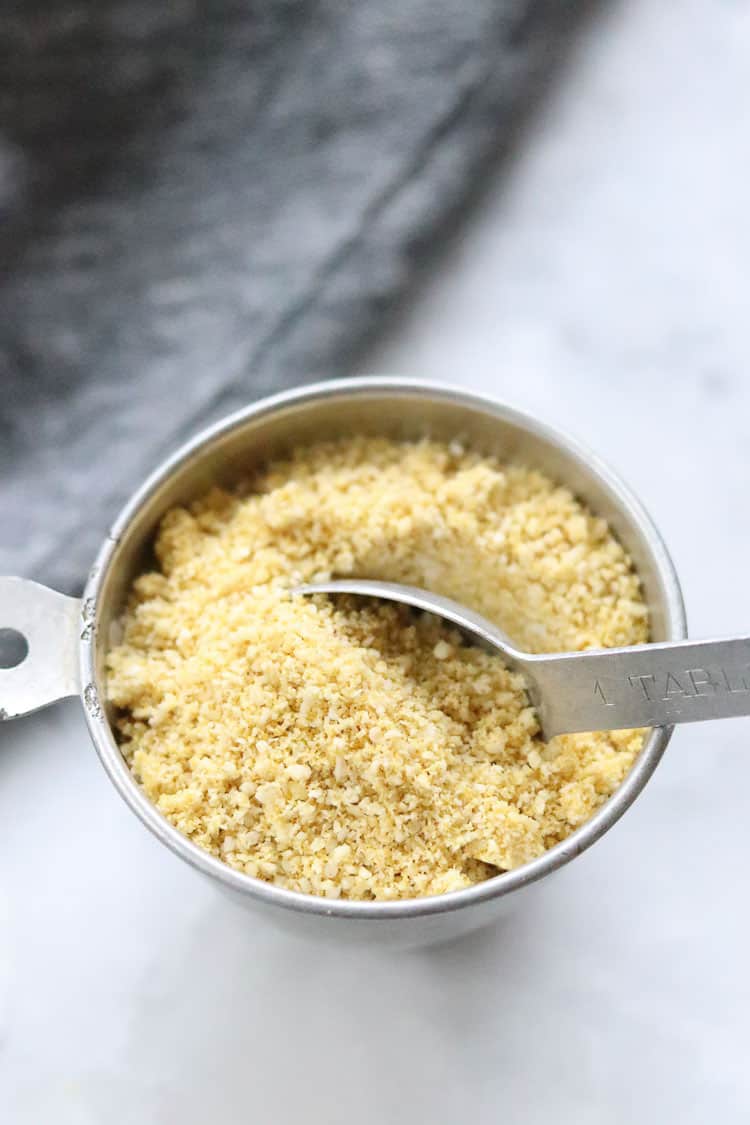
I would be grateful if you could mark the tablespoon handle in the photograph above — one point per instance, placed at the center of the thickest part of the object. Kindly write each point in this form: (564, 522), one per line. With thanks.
(642, 686)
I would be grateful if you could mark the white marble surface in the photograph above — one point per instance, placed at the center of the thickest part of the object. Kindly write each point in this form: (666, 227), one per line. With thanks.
(604, 284)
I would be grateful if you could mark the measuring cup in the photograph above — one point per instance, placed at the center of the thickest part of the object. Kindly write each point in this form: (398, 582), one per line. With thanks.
(67, 639)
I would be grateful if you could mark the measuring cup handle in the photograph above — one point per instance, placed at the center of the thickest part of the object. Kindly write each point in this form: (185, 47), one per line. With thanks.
(39, 635)
(643, 686)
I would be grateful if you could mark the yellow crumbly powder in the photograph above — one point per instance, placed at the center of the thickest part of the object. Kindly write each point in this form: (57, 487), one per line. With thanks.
(356, 749)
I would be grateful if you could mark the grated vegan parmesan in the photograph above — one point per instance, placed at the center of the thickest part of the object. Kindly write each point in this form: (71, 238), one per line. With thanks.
(355, 749)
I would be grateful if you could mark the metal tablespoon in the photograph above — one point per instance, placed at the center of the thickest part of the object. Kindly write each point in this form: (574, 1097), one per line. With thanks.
(649, 685)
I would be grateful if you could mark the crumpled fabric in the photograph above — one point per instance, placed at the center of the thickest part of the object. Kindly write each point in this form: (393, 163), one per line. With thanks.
(204, 202)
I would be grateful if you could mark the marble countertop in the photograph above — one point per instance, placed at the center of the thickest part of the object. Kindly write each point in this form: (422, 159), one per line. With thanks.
(601, 282)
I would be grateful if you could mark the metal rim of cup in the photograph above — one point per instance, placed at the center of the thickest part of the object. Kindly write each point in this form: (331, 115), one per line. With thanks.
(498, 886)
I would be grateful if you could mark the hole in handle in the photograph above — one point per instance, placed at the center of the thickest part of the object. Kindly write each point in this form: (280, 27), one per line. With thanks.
(14, 648)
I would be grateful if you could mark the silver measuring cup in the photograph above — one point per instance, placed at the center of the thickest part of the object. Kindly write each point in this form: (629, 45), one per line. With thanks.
(67, 639)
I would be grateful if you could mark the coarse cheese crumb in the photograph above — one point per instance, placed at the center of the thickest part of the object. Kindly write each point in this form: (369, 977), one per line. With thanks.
(343, 748)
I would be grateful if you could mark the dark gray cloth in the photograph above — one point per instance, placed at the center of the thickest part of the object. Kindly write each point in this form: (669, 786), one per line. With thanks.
(202, 202)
